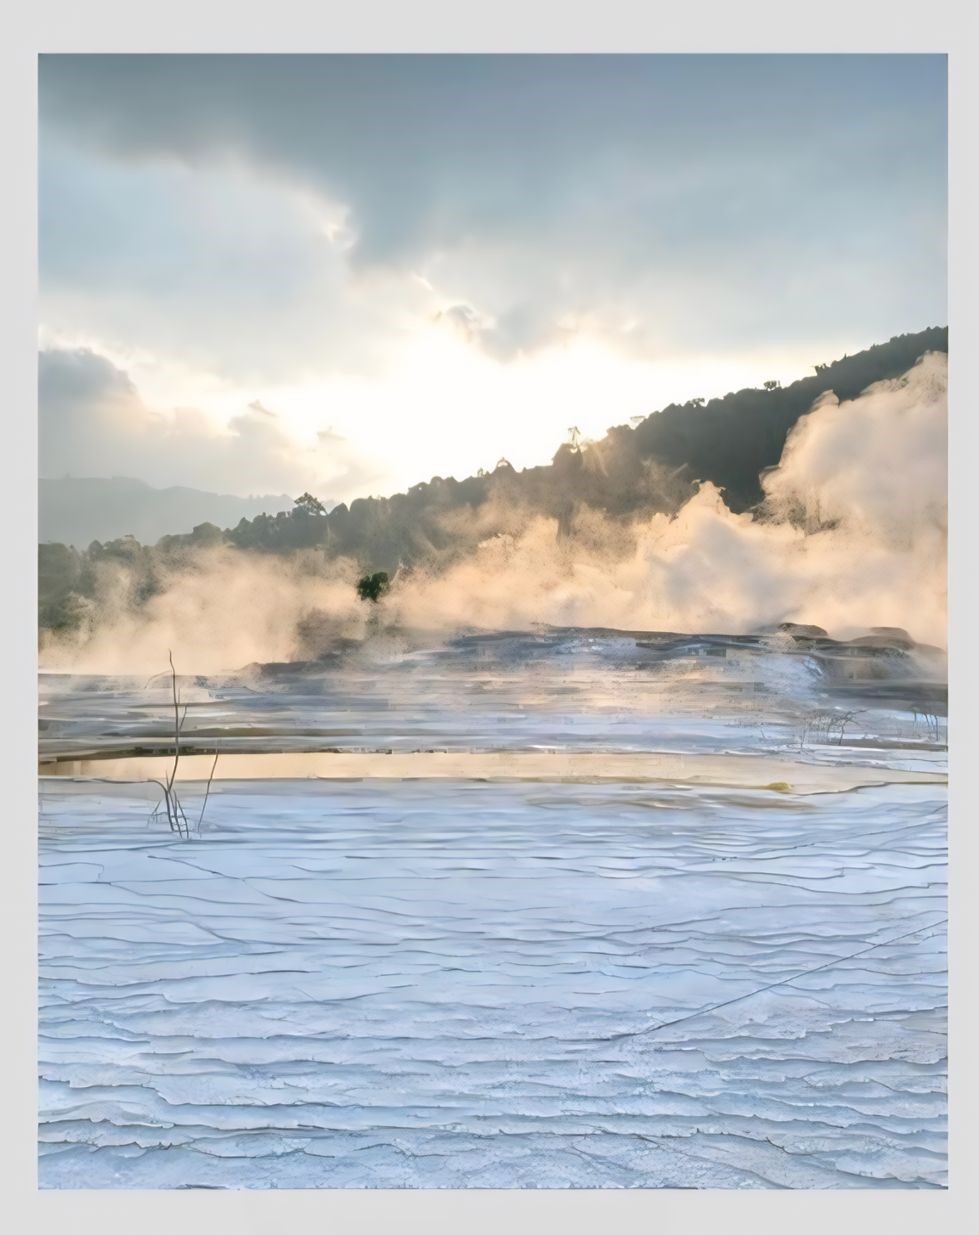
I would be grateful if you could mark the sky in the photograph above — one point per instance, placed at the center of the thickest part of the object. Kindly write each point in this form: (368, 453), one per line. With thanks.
(348, 274)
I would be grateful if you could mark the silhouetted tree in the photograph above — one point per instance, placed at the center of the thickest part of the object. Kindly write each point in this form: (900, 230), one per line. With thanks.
(372, 587)
(309, 505)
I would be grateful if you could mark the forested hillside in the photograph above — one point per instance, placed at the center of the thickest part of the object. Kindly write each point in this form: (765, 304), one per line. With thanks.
(651, 466)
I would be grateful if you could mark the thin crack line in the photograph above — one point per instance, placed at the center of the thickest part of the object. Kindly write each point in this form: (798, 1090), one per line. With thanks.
(838, 960)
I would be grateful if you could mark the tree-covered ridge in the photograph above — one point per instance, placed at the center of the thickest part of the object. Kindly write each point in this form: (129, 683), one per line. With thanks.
(642, 468)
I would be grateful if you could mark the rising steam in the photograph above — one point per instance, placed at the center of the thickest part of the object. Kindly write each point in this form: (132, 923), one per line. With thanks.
(852, 534)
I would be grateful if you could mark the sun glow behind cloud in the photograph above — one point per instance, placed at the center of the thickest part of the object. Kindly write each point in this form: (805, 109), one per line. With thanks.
(414, 290)
(442, 406)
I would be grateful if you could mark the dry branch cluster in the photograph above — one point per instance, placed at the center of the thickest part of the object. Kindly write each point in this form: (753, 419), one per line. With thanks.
(176, 815)
(819, 726)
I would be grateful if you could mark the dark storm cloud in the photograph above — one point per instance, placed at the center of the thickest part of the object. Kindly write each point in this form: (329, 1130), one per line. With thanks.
(708, 198)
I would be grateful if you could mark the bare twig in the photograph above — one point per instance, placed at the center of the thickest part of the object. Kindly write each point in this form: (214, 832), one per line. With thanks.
(176, 815)
(167, 802)
(207, 792)
(845, 720)
(176, 724)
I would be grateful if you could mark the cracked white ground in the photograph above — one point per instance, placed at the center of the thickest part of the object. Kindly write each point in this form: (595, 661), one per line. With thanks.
(659, 975)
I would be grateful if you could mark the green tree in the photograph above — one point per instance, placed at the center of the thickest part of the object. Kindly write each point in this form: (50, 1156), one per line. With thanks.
(372, 587)
(309, 505)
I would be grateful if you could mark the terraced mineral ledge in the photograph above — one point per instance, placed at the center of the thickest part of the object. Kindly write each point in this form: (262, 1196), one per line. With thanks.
(589, 766)
(554, 911)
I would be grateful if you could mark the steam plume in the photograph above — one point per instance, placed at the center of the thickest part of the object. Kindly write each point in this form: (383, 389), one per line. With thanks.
(852, 534)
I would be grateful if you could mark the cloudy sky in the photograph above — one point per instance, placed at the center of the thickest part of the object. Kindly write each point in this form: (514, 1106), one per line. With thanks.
(265, 273)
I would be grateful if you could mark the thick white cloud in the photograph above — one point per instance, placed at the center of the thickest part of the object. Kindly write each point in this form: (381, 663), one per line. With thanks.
(93, 422)
(224, 268)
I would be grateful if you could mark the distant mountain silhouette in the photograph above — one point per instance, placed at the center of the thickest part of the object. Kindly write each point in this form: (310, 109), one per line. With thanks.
(77, 510)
